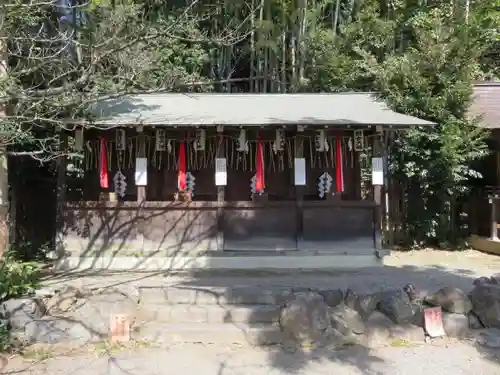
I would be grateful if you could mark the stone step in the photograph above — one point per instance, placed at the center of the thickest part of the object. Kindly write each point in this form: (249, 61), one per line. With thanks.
(206, 262)
(209, 333)
(182, 313)
(211, 295)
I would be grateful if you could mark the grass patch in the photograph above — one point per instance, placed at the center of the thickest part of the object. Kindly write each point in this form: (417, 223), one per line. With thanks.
(110, 348)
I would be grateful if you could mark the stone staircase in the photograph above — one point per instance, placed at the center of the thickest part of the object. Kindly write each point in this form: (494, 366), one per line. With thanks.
(209, 315)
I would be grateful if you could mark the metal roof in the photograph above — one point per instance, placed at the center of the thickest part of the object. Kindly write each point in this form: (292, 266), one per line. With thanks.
(485, 104)
(249, 109)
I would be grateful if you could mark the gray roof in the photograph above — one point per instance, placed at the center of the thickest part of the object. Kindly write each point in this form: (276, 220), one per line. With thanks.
(249, 110)
(485, 104)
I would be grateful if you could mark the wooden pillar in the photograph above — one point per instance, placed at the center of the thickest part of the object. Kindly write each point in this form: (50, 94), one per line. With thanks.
(377, 149)
(299, 192)
(493, 199)
(4, 184)
(60, 197)
(221, 192)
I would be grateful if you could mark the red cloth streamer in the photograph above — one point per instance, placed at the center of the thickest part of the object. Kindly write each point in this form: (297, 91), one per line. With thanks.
(103, 163)
(181, 178)
(339, 170)
(259, 167)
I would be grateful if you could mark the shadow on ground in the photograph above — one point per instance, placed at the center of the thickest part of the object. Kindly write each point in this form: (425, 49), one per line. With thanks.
(223, 361)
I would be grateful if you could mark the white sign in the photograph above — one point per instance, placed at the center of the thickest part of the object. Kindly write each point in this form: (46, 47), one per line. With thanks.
(141, 171)
(300, 171)
(377, 171)
(220, 172)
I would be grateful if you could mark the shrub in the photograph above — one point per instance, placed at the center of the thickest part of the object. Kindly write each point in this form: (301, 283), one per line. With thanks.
(16, 279)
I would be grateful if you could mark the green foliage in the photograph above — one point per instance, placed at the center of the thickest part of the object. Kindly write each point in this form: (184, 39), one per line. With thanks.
(17, 278)
(430, 76)
(420, 55)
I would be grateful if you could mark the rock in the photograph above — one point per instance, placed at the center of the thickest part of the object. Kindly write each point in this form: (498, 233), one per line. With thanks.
(418, 314)
(50, 330)
(364, 304)
(346, 320)
(489, 337)
(96, 310)
(21, 311)
(95, 313)
(304, 319)
(378, 330)
(455, 325)
(450, 299)
(411, 291)
(495, 279)
(408, 333)
(284, 297)
(367, 304)
(474, 322)
(65, 300)
(396, 305)
(486, 301)
(350, 299)
(332, 297)
(482, 280)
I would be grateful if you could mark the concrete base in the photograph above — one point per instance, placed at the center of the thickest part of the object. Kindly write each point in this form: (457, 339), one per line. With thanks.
(253, 262)
(485, 244)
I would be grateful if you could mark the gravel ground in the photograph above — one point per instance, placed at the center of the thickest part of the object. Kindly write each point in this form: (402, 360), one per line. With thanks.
(451, 359)
(428, 270)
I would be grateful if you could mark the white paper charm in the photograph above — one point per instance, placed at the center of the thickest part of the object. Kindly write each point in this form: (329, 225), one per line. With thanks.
(220, 172)
(120, 182)
(377, 171)
(190, 182)
(300, 172)
(141, 171)
(324, 184)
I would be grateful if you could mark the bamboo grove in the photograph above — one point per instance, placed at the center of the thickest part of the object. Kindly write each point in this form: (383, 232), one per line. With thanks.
(422, 56)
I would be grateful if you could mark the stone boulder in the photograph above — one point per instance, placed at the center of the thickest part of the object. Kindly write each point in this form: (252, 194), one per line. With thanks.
(367, 304)
(96, 310)
(486, 304)
(482, 280)
(456, 325)
(51, 330)
(332, 297)
(450, 299)
(396, 305)
(474, 322)
(20, 311)
(66, 299)
(378, 330)
(305, 319)
(346, 320)
(489, 337)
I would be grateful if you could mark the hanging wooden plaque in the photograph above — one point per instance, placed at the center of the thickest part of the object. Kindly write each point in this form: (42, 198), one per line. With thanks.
(200, 140)
(359, 140)
(120, 140)
(160, 140)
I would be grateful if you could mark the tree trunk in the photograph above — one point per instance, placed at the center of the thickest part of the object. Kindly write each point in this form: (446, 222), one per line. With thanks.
(4, 186)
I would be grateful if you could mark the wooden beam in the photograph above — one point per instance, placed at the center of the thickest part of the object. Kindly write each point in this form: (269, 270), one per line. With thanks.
(299, 190)
(377, 150)
(60, 196)
(141, 153)
(221, 192)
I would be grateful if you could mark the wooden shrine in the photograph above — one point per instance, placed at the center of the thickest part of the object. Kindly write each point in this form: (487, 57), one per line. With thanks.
(171, 188)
